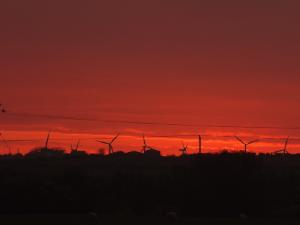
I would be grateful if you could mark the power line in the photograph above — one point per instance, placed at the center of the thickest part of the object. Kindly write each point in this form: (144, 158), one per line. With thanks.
(158, 136)
(58, 117)
(5, 142)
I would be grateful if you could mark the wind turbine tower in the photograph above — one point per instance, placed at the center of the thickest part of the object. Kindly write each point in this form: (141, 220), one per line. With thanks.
(200, 144)
(145, 147)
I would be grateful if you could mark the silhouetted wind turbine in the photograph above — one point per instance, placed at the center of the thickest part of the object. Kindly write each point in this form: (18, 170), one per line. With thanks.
(184, 148)
(145, 146)
(245, 143)
(110, 147)
(77, 146)
(284, 150)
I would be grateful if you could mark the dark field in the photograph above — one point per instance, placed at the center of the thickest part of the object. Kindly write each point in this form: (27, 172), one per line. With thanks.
(82, 219)
(149, 189)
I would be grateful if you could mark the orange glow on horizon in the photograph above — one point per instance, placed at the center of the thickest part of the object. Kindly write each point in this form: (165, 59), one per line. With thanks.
(24, 141)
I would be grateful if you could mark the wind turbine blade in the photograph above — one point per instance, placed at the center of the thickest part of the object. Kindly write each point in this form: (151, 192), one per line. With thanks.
(47, 140)
(182, 144)
(286, 142)
(103, 142)
(251, 142)
(240, 140)
(77, 146)
(277, 151)
(115, 138)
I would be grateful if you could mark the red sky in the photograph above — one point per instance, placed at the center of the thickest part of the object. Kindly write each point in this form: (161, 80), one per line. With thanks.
(194, 62)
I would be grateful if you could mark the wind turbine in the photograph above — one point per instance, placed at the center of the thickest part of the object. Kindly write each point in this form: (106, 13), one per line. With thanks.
(77, 146)
(183, 149)
(110, 147)
(284, 150)
(246, 143)
(145, 146)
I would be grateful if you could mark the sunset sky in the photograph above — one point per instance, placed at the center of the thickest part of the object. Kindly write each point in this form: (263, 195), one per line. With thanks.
(187, 62)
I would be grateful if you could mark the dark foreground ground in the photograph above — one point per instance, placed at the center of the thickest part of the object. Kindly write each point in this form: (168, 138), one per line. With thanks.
(150, 189)
(83, 219)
